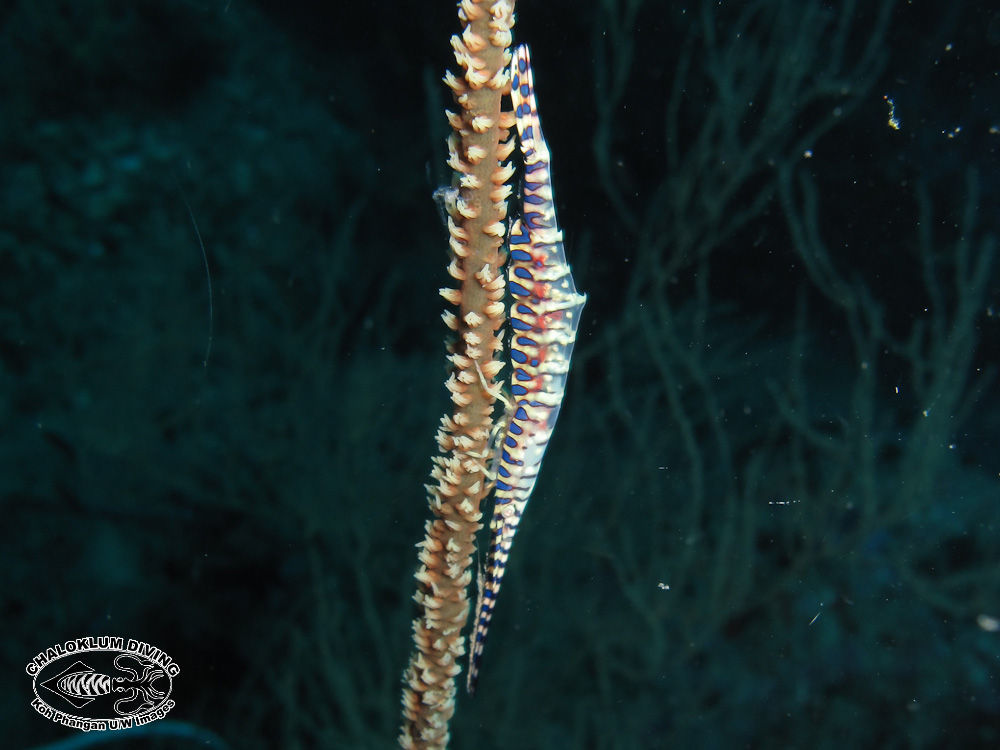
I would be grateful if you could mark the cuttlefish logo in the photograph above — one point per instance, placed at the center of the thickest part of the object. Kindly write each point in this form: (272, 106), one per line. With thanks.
(102, 683)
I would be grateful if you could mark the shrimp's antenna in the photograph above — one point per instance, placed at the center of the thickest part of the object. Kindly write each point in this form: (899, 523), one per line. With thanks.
(208, 276)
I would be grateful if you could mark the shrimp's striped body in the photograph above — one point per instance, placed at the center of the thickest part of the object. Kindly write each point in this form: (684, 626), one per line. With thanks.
(544, 315)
